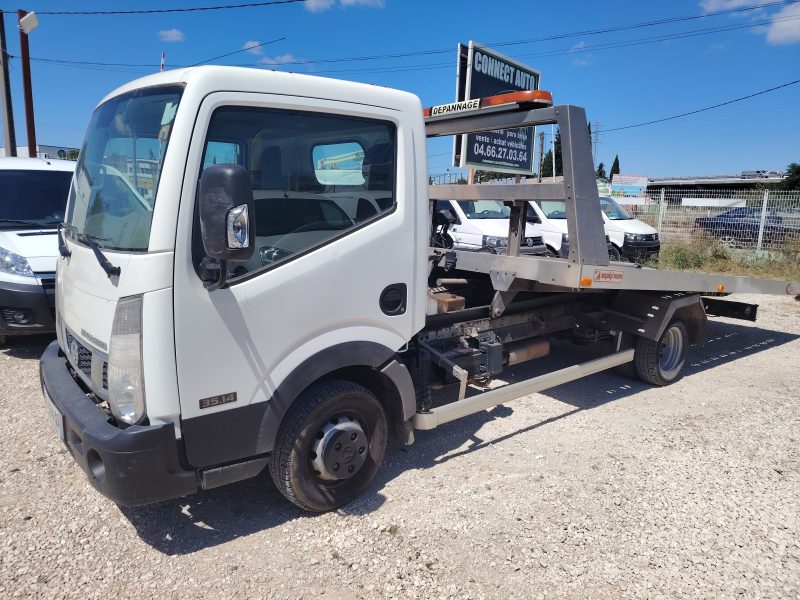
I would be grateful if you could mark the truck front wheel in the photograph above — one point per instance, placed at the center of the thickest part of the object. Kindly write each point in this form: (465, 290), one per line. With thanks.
(661, 362)
(329, 446)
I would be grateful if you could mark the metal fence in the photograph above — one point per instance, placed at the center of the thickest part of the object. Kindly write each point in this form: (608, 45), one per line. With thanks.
(751, 219)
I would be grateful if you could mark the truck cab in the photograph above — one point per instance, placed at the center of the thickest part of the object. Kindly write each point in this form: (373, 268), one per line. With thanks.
(152, 294)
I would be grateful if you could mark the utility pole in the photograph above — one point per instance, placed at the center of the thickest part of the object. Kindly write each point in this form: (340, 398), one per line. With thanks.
(25, 59)
(595, 139)
(9, 137)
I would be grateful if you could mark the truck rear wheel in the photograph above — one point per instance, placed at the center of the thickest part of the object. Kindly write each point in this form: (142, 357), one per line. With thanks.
(661, 362)
(329, 446)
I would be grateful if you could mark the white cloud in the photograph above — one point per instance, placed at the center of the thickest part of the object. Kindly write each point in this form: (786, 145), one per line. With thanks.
(784, 25)
(318, 5)
(253, 47)
(375, 3)
(717, 5)
(785, 32)
(171, 35)
(282, 59)
(717, 47)
(322, 5)
(584, 60)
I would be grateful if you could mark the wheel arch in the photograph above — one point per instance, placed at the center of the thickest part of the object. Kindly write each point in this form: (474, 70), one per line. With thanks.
(367, 363)
(240, 433)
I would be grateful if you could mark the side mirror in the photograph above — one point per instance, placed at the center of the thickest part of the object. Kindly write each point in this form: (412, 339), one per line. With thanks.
(443, 216)
(227, 215)
(531, 216)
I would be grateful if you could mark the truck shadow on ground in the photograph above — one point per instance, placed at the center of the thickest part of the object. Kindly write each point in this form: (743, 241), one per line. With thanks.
(26, 347)
(216, 516)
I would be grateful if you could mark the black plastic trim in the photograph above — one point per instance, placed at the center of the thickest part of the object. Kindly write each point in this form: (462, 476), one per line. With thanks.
(33, 297)
(137, 465)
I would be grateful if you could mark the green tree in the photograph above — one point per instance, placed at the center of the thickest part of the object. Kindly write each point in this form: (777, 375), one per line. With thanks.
(792, 180)
(72, 154)
(614, 167)
(601, 170)
(547, 164)
(481, 176)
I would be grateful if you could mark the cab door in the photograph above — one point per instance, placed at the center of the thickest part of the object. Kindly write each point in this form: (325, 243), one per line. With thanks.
(316, 277)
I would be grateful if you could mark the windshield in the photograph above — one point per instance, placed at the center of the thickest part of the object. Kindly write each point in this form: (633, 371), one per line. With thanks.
(33, 198)
(553, 209)
(613, 211)
(484, 209)
(117, 175)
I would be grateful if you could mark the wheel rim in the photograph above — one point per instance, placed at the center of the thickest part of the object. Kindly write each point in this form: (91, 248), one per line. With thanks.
(339, 449)
(670, 357)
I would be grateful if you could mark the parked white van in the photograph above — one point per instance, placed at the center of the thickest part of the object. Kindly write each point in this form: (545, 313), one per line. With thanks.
(33, 195)
(632, 239)
(628, 238)
(483, 225)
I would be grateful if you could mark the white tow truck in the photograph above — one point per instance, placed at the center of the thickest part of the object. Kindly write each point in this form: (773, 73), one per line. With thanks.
(222, 309)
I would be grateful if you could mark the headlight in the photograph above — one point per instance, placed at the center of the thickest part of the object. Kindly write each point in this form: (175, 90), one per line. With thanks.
(14, 264)
(495, 242)
(634, 237)
(125, 375)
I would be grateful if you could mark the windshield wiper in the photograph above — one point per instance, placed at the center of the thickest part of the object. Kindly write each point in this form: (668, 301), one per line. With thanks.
(31, 222)
(91, 241)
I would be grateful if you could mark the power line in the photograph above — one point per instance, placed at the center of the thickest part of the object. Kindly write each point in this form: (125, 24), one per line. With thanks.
(428, 66)
(704, 109)
(152, 11)
(245, 49)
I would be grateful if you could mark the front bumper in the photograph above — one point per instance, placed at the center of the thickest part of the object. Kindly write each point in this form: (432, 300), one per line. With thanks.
(34, 301)
(634, 250)
(133, 466)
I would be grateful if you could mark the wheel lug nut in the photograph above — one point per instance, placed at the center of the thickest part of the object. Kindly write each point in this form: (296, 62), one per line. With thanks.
(353, 437)
(337, 447)
(350, 469)
(335, 466)
(361, 450)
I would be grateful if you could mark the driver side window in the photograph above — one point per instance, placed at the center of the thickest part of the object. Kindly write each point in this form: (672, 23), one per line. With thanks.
(315, 177)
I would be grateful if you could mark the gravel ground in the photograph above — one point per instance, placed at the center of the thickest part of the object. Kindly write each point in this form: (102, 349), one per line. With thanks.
(603, 488)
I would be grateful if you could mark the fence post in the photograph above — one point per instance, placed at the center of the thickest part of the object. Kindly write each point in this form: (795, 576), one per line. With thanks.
(763, 220)
(661, 209)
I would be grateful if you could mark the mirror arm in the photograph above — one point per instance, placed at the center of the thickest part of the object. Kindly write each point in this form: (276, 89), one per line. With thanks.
(214, 273)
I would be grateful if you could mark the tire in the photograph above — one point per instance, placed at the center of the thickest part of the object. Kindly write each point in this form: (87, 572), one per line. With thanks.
(551, 252)
(614, 253)
(325, 418)
(3, 340)
(661, 362)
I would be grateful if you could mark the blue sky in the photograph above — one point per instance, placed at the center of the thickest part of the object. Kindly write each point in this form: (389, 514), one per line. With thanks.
(636, 79)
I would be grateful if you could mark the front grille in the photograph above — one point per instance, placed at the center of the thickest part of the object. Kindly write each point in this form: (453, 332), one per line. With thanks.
(650, 237)
(81, 358)
(535, 240)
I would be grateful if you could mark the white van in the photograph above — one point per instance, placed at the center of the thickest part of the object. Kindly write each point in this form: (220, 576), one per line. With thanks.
(483, 225)
(632, 239)
(33, 195)
(627, 238)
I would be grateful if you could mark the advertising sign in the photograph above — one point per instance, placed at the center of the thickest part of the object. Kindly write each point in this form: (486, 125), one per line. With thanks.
(628, 185)
(483, 72)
